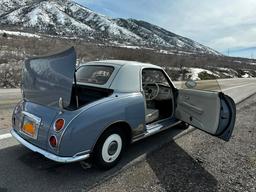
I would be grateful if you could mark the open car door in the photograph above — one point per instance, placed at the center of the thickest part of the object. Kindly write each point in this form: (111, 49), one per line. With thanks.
(210, 111)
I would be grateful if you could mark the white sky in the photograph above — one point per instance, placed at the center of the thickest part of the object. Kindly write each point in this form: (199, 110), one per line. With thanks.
(220, 24)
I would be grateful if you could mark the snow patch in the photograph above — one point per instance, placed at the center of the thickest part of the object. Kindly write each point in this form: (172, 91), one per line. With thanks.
(194, 72)
(130, 47)
(246, 75)
(17, 33)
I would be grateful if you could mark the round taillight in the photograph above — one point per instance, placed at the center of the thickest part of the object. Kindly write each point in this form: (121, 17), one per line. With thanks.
(59, 124)
(53, 141)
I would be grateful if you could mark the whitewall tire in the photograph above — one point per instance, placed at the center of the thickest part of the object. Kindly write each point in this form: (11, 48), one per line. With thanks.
(109, 149)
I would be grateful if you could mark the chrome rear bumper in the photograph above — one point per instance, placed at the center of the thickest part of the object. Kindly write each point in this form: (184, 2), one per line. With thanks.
(47, 154)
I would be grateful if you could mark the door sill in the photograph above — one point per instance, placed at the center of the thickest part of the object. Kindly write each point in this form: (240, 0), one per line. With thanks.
(153, 129)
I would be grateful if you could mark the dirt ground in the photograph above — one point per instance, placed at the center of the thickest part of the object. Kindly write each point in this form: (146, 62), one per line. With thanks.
(5, 115)
(8, 100)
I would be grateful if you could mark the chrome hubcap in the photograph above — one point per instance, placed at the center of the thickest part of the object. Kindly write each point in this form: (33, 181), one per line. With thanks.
(112, 148)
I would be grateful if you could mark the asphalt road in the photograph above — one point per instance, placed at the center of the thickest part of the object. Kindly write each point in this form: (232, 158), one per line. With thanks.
(8, 97)
(22, 170)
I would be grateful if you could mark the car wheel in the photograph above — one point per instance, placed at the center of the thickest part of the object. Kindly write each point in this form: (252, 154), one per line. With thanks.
(109, 149)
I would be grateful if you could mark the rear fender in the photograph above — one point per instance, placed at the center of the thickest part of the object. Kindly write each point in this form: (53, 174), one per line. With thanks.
(83, 132)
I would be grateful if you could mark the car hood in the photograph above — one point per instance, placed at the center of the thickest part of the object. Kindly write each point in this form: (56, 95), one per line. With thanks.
(47, 79)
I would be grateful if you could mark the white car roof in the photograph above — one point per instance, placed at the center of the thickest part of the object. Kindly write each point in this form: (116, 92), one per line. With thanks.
(127, 79)
(130, 63)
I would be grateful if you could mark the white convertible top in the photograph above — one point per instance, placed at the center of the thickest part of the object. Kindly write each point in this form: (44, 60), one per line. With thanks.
(127, 79)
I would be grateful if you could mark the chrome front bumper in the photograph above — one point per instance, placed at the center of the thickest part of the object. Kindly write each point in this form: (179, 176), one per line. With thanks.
(47, 154)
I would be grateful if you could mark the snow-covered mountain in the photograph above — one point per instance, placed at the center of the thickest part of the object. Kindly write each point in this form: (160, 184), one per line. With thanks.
(67, 18)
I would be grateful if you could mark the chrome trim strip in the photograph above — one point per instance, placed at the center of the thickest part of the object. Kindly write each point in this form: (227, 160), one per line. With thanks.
(47, 154)
(54, 125)
(145, 135)
(54, 148)
(37, 119)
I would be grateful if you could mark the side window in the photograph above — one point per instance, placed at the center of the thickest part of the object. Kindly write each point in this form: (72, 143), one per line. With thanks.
(94, 74)
(154, 76)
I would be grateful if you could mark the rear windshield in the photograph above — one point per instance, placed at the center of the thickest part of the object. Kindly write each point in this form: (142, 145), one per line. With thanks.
(94, 74)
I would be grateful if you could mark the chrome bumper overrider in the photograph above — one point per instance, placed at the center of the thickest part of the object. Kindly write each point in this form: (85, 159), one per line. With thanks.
(47, 154)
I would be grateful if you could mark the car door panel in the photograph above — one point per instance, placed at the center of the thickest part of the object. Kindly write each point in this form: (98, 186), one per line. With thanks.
(192, 107)
(212, 112)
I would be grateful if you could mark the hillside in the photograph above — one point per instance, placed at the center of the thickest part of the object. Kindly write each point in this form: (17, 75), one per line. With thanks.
(36, 27)
(69, 19)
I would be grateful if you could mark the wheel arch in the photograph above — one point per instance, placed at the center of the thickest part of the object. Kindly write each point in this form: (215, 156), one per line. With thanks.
(126, 129)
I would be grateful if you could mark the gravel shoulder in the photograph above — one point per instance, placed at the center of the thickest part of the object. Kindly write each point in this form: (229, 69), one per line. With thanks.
(8, 100)
(5, 118)
(197, 162)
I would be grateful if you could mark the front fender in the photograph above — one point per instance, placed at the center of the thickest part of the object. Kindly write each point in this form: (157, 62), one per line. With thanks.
(83, 131)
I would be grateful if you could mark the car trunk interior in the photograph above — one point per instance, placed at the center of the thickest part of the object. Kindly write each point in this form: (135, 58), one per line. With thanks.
(86, 94)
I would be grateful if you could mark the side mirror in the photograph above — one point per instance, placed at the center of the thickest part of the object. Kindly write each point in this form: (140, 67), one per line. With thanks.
(191, 84)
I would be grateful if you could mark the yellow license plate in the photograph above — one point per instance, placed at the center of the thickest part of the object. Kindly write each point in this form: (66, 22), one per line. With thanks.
(29, 128)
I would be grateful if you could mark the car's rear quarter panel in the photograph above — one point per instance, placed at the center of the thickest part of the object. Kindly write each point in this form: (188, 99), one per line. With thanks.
(83, 132)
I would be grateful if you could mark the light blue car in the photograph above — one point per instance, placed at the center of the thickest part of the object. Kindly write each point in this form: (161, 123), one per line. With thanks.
(69, 115)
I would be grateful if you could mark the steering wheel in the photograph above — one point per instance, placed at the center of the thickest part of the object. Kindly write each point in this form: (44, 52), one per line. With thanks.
(151, 90)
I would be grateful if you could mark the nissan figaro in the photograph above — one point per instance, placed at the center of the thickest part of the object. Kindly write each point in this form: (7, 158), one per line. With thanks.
(71, 113)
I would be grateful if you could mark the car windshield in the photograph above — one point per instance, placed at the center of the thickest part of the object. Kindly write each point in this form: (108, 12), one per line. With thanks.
(154, 76)
(94, 74)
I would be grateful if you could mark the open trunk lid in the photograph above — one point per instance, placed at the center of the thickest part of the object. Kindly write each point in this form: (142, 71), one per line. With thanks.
(47, 79)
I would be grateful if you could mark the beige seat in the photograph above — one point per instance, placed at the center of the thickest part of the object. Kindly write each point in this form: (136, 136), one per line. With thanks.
(151, 115)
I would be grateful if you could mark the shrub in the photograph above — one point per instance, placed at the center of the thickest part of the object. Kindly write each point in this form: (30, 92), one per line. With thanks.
(206, 76)
(5, 35)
